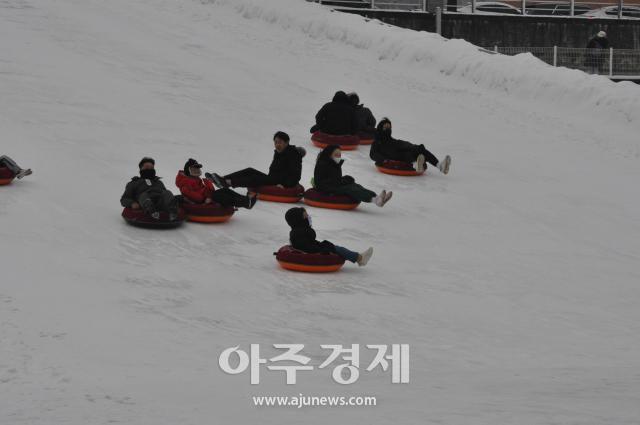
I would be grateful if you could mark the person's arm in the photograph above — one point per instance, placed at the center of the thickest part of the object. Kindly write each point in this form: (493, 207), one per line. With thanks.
(305, 241)
(196, 195)
(347, 180)
(371, 120)
(128, 198)
(294, 170)
(321, 116)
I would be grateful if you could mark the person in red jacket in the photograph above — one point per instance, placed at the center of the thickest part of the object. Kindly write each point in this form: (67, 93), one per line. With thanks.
(201, 191)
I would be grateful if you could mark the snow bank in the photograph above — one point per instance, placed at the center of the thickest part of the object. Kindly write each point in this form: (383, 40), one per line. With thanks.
(523, 76)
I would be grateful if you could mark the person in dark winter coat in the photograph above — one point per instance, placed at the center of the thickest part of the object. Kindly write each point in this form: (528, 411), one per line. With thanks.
(327, 177)
(303, 238)
(365, 122)
(386, 147)
(285, 169)
(595, 58)
(197, 190)
(336, 117)
(149, 193)
(12, 166)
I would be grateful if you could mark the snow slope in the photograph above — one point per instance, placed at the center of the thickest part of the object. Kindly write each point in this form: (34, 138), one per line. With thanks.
(514, 279)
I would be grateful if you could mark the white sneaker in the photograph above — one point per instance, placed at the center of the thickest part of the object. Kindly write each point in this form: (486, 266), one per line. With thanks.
(379, 200)
(444, 165)
(24, 173)
(365, 256)
(387, 196)
(419, 166)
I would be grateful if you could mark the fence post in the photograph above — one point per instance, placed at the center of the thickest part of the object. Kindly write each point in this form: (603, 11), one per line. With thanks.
(373, 4)
(610, 61)
(555, 55)
(573, 8)
(473, 6)
(495, 48)
(620, 6)
(439, 20)
(524, 7)
(424, 5)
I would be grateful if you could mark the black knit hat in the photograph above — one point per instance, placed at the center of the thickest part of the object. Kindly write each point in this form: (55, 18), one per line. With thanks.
(282, 136)
(191, 163)
(145, 160)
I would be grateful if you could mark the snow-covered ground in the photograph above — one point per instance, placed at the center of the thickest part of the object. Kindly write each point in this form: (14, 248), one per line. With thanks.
(515, 278)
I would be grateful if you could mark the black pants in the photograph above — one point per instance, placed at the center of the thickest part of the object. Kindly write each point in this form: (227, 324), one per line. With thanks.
(164, 201)
(249, 177)
(228, 198)
(411, 154)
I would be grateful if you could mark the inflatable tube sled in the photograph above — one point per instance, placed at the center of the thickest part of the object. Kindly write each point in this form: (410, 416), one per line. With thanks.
(6, 176)
(295, 260)
(208, 213)
(346, 143)
(278, 194)
(141, 219)
(365, 138)
(398, 168)
(318, 199)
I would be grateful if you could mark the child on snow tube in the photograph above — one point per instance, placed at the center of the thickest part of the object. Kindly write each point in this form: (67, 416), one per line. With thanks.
(303, 238)
(13, 167)
(201, 191)
(148, 193)
(328, 178)
(385, 147)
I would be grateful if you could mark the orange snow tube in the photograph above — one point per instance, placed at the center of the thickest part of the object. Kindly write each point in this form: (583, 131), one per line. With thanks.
(6, 176)
(346, 142)
(398, 168)
(299, 261)
(208, 213)
(279, 194)
(140, 218)
(319, 199)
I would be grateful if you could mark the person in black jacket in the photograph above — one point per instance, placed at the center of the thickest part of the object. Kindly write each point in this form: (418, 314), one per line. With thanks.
(365, 122)
(336, 117)
(327, 177)
(595, 58)
(386, 147)
(285, 169)
(149, 193)
(303, 238)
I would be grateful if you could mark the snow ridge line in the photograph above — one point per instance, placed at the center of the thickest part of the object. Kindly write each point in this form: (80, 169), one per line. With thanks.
(523, 75)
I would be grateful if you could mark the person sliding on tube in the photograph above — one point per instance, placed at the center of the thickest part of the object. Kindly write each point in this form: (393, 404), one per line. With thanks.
(328, 178)
(336, 117)
(149, 193)
(365, 122)
(12, 166)
(303, 238)
(285, 169)
(386, 147)
(197, 190)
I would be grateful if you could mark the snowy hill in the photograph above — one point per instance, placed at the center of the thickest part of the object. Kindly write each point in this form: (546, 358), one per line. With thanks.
(514, 278)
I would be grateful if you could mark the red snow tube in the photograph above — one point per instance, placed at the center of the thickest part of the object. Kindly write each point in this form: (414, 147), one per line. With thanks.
(6, 176)
(398, 168)
(208, 213)
(327, 200)
(279, 194)
(365, 138)
(141, 219)
(293, 259)
(346, 143)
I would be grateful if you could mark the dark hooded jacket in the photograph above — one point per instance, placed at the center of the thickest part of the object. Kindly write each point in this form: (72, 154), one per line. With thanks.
(337, 117)
(302, 235)
(327, 176)
(386, 147)
(597, 52)
(286, 167)
(365, 121)
(137, 186)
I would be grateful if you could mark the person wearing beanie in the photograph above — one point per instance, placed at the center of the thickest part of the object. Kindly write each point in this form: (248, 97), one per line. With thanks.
(336, 117)
(595, 58)
(365, 122)
(328, 178)
(303, 238)
(285, 169)
(197, 190)
(147, 192)
(385, 147)
(11, 165)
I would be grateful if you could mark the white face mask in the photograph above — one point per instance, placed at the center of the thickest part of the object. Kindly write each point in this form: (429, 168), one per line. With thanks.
(336, 159)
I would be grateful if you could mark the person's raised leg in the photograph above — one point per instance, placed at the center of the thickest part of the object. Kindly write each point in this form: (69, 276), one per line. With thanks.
(228, 197)
(249, 177)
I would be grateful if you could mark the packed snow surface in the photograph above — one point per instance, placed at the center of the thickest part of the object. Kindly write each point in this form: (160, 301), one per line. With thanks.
(514, 279)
